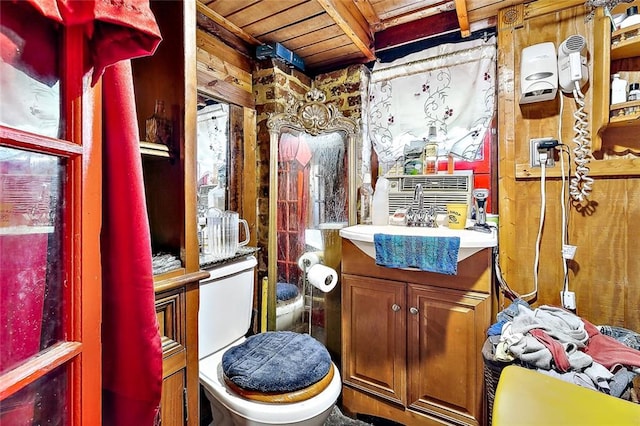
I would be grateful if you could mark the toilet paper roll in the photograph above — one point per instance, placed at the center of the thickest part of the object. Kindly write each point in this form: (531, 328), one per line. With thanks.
(309, 259)
(322, 277)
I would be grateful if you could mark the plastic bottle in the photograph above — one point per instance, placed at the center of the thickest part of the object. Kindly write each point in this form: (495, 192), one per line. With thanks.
(634, 92)
(366, 200)
(634, 95)
(380, 206)
(430, 153)
(618, 90)
(632, 17)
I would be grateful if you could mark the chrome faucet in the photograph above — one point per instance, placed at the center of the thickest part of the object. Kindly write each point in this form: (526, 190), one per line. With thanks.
(419, 215)
(418, 196)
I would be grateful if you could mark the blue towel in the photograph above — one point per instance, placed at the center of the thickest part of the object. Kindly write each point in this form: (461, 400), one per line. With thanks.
(433, 254)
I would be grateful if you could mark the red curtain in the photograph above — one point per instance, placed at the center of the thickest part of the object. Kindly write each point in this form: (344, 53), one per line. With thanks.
(132, 355)
(131, 349)
(116, 30)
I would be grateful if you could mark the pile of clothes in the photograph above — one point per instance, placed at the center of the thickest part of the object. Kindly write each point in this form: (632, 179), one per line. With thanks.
(559, 343)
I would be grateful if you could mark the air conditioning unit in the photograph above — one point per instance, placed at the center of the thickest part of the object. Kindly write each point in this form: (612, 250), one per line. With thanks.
(438, 190)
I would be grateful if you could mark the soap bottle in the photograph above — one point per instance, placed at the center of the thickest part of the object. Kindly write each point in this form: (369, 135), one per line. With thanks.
(430, 153)
(380, 207)
(366, 199)
(618, 90)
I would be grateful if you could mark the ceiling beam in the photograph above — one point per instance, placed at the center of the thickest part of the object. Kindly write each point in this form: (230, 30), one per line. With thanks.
(347, 16)
(230, 26)
(430, 10)
(441, 23)
(365, 7)
(463, 18)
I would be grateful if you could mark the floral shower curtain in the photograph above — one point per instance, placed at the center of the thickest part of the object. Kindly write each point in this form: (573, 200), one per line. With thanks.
(451, 87)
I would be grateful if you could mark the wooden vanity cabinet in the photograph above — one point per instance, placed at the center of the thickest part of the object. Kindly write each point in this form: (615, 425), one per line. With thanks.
(412, 340)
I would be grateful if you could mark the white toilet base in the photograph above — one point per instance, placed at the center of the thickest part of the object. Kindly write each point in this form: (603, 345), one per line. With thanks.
(224, 417)
(289, 315)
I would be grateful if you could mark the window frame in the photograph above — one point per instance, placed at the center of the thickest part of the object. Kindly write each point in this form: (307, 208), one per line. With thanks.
(80, 351)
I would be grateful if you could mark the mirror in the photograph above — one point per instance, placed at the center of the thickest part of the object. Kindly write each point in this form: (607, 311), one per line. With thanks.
(311, 197)
(212, 154)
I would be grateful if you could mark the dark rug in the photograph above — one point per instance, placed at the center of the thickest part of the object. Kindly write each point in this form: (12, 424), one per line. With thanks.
(336, 418)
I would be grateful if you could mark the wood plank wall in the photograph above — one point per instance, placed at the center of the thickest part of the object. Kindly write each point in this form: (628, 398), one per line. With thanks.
(225, 74)
(605, 273)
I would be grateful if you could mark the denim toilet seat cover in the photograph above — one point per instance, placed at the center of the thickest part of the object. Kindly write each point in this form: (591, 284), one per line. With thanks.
(276, 361)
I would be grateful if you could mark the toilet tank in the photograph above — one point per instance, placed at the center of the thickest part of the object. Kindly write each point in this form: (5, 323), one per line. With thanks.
(226, 302)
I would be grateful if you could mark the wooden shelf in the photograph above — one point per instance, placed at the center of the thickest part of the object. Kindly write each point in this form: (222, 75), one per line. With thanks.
(614, 126)
(620, 115)
(615, 167)
(625, 42)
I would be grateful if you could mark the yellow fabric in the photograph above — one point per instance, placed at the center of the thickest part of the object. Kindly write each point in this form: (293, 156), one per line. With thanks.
(525, 397)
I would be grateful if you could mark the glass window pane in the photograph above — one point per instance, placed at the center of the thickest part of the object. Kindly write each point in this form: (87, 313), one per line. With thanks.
(31, 211)
(29, 78)
(43, 402)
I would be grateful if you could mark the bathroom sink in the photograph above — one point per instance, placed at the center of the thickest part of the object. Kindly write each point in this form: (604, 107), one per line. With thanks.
(471, 242)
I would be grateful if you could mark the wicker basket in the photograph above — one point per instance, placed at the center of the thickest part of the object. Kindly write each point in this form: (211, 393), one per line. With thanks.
(492, 371)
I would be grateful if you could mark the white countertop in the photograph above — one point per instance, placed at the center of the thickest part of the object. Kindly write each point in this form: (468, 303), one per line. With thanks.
(471, 241)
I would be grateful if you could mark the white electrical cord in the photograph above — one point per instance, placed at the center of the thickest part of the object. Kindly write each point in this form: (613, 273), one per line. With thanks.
(565, 224)
(543, 207)
(581, 184)
(567, 251)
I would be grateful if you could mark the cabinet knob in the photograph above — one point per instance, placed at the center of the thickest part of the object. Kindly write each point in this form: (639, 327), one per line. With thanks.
(414, 310)
(395, 307)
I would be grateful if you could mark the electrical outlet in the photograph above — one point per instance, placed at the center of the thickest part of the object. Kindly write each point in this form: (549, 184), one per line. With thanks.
(568, 299)
(534, 155)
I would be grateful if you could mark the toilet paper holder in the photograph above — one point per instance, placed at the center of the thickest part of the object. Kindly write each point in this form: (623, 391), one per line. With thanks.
(323, 277)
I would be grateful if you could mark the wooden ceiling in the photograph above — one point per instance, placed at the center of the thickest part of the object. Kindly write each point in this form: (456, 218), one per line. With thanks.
(329, 34)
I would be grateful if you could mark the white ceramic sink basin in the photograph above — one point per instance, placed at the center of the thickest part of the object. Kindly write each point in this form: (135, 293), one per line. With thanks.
(471, 242)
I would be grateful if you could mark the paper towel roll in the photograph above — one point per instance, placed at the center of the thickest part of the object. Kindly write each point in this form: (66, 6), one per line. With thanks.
(322, 277)
(309, 259)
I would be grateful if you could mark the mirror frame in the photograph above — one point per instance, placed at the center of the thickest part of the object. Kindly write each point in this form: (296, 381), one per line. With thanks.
(314, 116)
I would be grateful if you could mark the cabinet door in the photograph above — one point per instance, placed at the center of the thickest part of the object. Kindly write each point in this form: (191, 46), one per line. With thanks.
(170, 311)
(173, 399)
(445, 335)
(374, 337)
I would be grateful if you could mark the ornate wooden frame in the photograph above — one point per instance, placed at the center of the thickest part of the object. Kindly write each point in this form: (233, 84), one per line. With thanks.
(315, 116)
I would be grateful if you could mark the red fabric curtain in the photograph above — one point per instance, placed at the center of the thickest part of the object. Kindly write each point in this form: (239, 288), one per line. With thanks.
(131, 349)
(132, 355)
(116, 30)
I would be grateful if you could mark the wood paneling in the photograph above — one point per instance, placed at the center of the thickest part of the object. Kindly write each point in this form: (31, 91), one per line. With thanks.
(604, 273)
(332, 34)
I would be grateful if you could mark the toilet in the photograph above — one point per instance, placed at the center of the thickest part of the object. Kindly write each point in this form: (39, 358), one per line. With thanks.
(289, 306)
(226, 300)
